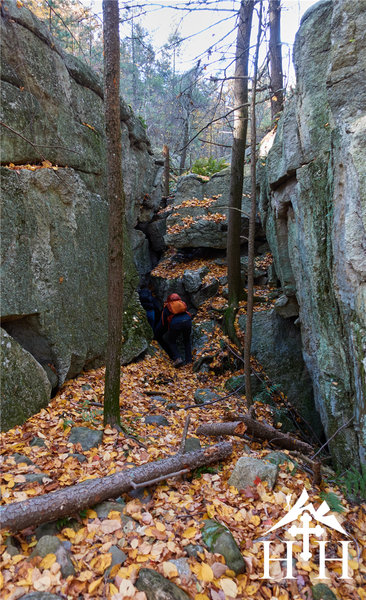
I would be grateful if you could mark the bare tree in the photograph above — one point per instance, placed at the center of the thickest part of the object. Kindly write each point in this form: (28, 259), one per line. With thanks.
(238, 149)
(237, 163)
(253, 205)
(275, 57)
(116, 200)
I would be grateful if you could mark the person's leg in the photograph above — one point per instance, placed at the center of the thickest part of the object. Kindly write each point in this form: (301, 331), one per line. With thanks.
(159, 336)
(173, 334)
(187, 342)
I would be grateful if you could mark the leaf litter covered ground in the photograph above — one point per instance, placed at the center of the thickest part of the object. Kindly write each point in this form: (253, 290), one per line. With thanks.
(169, 516)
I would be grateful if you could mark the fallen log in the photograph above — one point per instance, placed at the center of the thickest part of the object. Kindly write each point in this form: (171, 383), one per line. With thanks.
(70, 500)
(249, 426)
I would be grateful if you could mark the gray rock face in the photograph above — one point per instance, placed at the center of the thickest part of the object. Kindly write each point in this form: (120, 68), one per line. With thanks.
(87, 438)
(55, 222)
(247, 469)
(140, 251)
(207, 202)
(157, 587)
(313, 207)
(276, 343)
(25, 388)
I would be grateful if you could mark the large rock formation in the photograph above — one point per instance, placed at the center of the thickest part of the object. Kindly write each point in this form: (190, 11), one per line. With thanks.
(200, 210)
(55, 220)
(313, 207)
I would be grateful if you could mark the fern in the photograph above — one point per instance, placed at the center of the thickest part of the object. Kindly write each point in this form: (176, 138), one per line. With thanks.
(208, 166)
(333, 501)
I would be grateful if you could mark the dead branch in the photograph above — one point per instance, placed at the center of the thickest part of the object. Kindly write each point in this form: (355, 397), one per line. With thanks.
(184, 436)
(72, 499)
(256, 429)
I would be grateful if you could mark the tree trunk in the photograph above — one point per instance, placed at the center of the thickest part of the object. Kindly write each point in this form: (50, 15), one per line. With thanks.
(116, 200)
(251, 234)
(238, 149)
(183, 156)
(256, 429)
(275, 57)
(166, 170)
(72, 499)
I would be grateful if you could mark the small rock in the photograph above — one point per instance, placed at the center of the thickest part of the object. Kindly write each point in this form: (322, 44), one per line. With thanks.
(104, 508)
(11, 546)
(157, 587)
(156, 420)
(87, 438)
(247, 470)
(35, 477)
(80, 457)
(172, 407)
(158, 399)
(192, 444)
(21, 458)
(142, 494)
(46, 529)
(201, 396)
(49, 544)
(37, 441)
(41, 596)
(86, 386)
(118, 556)
(219, 540)
(183, 568)
(322, 592)
(194, 549)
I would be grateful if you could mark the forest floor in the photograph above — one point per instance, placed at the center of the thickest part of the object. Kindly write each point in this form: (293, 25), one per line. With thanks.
(169, 516)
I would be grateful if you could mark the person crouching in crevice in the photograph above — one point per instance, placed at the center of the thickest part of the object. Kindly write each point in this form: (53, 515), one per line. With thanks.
(175, 322)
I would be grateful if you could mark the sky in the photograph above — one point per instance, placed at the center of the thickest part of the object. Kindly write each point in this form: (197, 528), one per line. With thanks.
(204, 31)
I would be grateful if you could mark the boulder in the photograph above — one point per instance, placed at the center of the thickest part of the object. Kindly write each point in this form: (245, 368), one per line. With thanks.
(50, 544)
(157, 587)
(25, 388)
(205, 206)
(219, 540)
(87, 438)
(192, 280)
(248, 469)
(204, 293)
